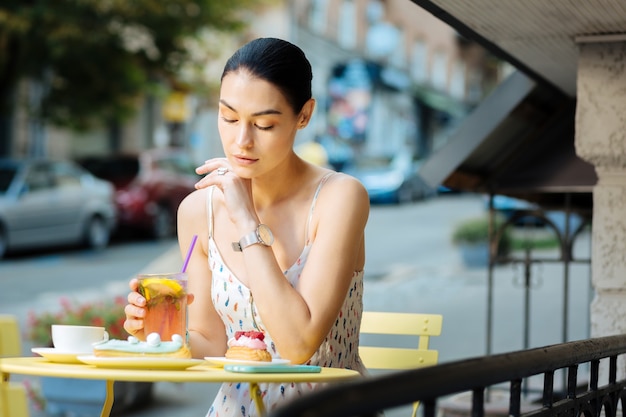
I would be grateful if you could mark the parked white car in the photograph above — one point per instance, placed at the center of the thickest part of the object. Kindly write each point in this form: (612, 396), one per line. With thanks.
(46, 203)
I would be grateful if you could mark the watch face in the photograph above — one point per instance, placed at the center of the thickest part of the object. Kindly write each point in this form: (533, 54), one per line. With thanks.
(265, 234)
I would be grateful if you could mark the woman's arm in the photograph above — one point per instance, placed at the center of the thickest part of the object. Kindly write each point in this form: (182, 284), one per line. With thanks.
(300, 318)
(207, 336)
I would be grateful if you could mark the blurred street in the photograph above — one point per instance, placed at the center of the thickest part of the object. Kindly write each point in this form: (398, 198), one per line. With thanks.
(412, 266)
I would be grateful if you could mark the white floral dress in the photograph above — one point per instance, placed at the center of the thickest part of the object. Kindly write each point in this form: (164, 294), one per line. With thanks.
(233, 302)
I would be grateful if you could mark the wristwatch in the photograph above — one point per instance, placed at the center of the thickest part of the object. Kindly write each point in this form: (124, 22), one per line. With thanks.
(262, 235)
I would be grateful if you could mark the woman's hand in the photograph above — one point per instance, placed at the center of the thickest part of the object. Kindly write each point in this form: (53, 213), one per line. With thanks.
(236, 190)
(135, 311)
(211, 167)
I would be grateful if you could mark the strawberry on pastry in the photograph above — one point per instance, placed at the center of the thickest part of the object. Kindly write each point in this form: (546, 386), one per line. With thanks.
(252, 334)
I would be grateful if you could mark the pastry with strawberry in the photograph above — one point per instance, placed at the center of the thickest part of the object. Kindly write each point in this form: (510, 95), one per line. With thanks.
(248, 346)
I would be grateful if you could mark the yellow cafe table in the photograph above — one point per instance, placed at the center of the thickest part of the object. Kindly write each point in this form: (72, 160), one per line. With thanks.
(202, 372)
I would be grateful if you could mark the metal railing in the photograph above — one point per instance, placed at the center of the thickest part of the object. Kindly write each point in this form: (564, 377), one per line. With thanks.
(479, 375)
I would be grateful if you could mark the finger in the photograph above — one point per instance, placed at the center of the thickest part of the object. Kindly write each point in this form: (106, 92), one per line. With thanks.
(133, 284)
(203, 169)
(204, 183)
(134, 312)
(214, 178)
(190, 298)
(134, 327)
(136, 299)
(211, 165)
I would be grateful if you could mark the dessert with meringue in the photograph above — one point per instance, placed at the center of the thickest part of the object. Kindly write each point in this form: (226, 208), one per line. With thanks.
(248, 346)
(152, 347)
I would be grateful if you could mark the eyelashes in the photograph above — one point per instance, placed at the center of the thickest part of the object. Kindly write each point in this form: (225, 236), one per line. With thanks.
(232, 121)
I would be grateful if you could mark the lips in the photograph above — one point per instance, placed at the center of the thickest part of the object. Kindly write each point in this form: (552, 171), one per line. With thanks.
(244, 160)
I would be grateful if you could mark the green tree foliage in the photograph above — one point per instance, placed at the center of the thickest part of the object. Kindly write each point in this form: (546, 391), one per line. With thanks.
(94, 58)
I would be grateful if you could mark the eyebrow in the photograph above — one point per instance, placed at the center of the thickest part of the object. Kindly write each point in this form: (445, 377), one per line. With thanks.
(259, 113)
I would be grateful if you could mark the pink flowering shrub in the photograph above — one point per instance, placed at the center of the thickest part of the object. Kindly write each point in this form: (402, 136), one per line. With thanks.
(108, 314)
(34, 395)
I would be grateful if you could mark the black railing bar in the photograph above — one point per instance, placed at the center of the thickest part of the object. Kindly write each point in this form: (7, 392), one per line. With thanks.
(613, 369)
(430, 408)
(548, 389)
(560, 408)
(458, 376)
(594, 374)
(515, 397)
(572, 377)
(478, 402)
(490, 370)
(353, 403)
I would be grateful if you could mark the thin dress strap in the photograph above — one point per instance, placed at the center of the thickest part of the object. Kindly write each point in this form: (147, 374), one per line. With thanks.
(209, 205)
(319, 188)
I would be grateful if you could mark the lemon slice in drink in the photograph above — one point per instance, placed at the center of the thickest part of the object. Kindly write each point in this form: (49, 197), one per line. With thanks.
(159, 287)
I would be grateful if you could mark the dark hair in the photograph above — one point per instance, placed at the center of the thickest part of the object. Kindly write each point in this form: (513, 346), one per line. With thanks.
(278, 62)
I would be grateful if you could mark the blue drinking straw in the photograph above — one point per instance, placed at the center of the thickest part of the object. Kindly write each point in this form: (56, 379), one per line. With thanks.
(193, 243)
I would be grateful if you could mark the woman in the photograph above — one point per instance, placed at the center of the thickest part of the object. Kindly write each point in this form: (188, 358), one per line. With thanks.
(281, 241)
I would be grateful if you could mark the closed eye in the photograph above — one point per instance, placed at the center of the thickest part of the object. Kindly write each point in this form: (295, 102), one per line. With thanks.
(264, 127)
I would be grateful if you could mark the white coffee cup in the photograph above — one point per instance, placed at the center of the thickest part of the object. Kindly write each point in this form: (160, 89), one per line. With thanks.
(77, 339)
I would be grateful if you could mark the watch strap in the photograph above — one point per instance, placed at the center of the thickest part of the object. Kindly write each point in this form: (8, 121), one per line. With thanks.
(248, 240)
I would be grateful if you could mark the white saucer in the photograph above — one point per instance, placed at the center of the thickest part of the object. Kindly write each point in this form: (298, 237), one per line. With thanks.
(221, 361)
(55, 355)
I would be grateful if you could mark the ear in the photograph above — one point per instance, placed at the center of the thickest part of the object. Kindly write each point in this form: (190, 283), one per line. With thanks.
(306, 113)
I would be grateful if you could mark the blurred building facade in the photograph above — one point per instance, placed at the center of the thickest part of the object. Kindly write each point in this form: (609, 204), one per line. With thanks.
(388, 77)
(388, 84)
(383, 83)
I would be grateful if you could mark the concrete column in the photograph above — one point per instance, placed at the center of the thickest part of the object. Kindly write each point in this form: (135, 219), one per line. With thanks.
(601, 140)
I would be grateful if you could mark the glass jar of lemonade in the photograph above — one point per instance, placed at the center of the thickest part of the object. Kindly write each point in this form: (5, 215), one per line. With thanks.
(166, 304)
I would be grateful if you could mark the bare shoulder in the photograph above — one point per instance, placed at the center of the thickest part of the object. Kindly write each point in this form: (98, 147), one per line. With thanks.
(344, 182)
(194, 204)
(345, 190)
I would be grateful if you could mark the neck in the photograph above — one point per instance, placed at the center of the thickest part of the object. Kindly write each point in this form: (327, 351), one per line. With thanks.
(280, 184)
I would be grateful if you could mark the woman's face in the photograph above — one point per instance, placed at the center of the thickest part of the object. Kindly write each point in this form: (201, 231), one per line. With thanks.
(256, 124)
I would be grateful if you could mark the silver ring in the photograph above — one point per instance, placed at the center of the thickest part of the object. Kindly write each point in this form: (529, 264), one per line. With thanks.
(222, 171)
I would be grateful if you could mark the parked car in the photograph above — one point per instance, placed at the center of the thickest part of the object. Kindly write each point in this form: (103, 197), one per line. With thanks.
(390, 180)
(45, 203)
(149, 187)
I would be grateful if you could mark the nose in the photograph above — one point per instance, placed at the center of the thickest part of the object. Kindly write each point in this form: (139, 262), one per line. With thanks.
(244, 136)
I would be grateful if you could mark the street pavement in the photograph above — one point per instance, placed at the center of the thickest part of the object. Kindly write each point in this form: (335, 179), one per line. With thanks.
(428, 276)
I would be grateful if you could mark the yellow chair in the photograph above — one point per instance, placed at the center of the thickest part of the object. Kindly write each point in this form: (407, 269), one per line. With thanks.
(10, 339)
(396, 358)
(13, 399)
